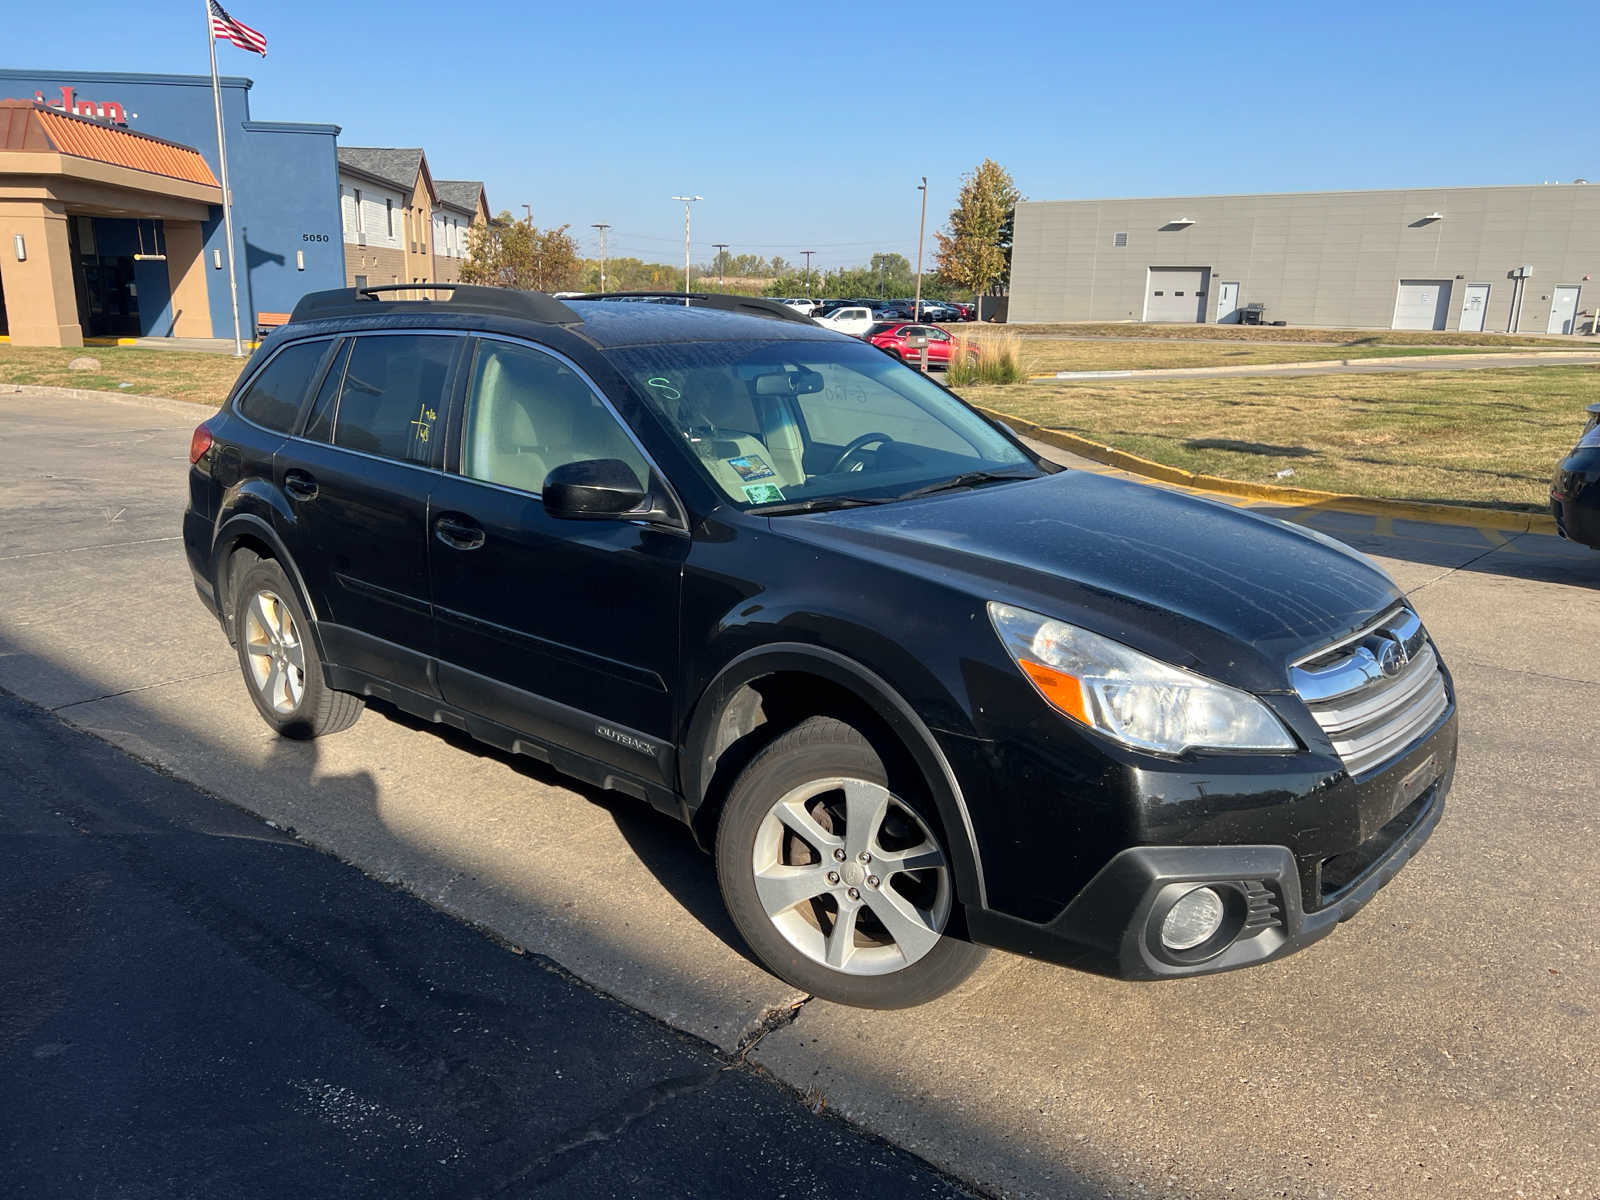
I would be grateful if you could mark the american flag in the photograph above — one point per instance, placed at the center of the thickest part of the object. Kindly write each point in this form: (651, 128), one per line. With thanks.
(241, 35)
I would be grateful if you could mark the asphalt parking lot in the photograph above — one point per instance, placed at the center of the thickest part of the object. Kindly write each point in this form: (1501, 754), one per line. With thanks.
(1443, 1043)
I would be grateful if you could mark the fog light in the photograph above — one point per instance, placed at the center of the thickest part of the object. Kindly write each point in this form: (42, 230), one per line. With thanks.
(1192, 920)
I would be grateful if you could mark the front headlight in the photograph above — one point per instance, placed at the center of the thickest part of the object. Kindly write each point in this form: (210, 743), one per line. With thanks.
(1136, 699)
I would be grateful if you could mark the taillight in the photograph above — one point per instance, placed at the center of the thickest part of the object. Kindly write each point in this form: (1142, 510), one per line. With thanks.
(199, 443)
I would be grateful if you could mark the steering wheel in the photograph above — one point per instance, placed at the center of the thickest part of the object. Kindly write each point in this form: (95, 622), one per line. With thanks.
(860, 443)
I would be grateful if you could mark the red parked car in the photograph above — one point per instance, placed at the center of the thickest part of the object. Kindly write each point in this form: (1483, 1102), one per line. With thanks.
(893, 336)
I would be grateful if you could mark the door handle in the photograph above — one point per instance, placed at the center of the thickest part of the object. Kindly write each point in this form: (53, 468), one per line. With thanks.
(458, 533)
(300, 485)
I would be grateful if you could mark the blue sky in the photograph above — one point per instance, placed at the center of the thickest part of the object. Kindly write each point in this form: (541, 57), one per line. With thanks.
(809, 125)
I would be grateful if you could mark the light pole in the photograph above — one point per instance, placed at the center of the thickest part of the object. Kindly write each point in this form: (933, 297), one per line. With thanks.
(922, 225)
(808, 254)
(722, 249)
(687, 202)
(602, 226)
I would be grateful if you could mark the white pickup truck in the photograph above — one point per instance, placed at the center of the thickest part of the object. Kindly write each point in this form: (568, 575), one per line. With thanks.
(853, 320)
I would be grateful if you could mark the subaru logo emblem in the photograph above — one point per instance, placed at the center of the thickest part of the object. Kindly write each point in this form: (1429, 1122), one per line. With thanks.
(1392, 658)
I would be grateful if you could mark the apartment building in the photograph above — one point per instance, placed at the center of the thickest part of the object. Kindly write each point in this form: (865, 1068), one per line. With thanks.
(400, 224)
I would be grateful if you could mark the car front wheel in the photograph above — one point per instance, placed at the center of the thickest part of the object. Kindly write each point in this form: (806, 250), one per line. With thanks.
(839, 884)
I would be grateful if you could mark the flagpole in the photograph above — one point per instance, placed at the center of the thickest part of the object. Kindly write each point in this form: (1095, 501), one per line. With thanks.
(227, 194)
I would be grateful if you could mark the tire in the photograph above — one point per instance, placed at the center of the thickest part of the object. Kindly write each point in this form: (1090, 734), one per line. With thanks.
(279, 660)
(776, 857)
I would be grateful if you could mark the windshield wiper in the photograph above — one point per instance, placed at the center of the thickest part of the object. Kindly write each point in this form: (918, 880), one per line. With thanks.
(816, 504)
(965, 479)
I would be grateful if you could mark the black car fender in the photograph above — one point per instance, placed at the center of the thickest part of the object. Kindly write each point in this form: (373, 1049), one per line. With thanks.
(696, 763)
(244, 525)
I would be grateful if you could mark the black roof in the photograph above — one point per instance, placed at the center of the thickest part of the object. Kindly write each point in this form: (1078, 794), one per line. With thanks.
(606, 323)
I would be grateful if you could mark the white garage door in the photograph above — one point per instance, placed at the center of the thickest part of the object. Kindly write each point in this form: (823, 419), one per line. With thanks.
(1177, 294)
(1422, 304)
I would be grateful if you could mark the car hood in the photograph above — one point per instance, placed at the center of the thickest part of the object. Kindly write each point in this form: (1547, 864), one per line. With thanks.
(1194, 581)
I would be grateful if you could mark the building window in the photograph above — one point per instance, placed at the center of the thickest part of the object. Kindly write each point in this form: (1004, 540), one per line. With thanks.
(1119, 240)
(388, 205)
(360, 228)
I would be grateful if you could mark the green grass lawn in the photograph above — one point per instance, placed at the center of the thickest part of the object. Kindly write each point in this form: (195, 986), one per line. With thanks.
(177, 374)
(1489, 437)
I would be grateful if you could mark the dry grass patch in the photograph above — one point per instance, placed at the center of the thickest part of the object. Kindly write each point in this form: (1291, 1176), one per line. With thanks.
(176, 374)
(1272, 333)
(1487, 438)
(1046, 355)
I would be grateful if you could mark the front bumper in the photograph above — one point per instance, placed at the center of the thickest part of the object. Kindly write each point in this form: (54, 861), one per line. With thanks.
(1278, 899)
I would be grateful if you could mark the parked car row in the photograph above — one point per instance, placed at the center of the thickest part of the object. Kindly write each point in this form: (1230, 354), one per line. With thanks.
(886, 310)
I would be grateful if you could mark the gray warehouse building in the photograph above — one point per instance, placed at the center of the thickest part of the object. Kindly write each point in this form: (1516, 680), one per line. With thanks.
(1515, 259)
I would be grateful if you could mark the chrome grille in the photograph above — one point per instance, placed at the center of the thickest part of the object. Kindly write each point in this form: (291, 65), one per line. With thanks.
(1374, 693)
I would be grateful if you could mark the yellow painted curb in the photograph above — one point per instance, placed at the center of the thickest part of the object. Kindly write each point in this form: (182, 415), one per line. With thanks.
(1405, 510)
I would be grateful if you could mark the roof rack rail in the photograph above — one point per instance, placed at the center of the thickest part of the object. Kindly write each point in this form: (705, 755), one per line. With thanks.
(464, 297)
(754, 306)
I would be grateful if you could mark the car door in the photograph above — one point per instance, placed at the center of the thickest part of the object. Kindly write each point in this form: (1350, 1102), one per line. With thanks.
(358, 482)
(565, 630)
(938, 344)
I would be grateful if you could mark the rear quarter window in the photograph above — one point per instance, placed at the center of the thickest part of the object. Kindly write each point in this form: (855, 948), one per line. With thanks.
(273, 398)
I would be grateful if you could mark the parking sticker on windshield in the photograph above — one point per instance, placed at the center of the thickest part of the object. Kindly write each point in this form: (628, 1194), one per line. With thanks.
(762, 493)
(751, 467)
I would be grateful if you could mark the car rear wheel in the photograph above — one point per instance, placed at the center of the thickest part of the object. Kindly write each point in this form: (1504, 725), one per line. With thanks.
(839, 883)
(282, 670)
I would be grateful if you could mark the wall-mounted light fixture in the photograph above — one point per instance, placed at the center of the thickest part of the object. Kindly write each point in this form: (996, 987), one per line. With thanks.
(1180, 222)
(22, 249)
(216, 260)
(1433, 216)
(299, 260)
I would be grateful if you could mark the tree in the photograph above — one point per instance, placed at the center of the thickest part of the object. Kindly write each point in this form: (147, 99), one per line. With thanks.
(976, 254)
(518, 254)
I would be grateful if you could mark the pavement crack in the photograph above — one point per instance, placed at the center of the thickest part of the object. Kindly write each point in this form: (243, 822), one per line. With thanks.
(1443, 575)
(143, 687)
(615, 1121)
(97, 546)
(774, 1018)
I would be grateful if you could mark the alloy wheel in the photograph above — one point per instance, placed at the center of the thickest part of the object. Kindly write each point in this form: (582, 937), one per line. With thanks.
(851, 876)
(274, 652)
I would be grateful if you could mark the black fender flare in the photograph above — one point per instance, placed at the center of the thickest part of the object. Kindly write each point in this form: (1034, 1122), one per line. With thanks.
(235, 528)
(695, 769)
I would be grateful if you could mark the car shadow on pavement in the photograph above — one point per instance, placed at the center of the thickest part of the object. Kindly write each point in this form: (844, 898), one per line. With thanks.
(664, 845)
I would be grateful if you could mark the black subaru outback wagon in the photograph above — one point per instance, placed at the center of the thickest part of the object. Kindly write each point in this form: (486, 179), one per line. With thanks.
(921, 690)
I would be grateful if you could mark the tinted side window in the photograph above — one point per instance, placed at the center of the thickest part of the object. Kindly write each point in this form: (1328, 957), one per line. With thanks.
(528, 413)
(319, 421)
(393, 395)
(273, 400)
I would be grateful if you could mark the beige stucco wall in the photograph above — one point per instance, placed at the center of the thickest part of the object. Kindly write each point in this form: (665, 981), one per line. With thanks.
(41, 305)
(186, 273)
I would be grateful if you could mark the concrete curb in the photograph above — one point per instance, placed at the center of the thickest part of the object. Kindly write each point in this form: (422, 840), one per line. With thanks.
(1317, 365)
(1405, 510)
(148, 401)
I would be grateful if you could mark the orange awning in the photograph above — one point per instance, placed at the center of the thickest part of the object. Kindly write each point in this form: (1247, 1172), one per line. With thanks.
(24, 125)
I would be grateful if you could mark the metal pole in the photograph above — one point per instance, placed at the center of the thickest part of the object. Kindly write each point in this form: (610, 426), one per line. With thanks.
(922, 225)
(722, 249)
(227, 195)
(808, 254)
(602, 226)
(687, 201)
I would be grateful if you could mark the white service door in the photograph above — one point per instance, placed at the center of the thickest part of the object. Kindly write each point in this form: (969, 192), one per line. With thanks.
(1227, 302)
(1177, 294)
(1563, 310)
(1422, 304)
(1473, 307)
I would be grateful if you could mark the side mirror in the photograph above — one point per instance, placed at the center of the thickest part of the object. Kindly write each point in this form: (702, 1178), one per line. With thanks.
(594, 488)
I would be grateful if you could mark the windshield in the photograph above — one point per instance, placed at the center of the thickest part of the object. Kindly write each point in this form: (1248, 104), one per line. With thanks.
(790, 420)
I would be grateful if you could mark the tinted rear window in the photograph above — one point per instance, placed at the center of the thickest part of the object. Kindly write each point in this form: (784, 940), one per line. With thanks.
(273, 400)
(393, 396)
